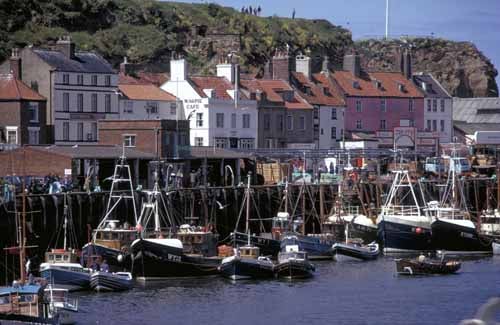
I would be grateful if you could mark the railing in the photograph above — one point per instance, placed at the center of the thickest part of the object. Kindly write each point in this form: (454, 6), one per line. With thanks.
(401, 210)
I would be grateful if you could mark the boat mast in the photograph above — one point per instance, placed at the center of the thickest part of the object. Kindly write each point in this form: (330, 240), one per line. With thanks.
(286, 194)
(65, 221)
(247, 228)
(22, 242)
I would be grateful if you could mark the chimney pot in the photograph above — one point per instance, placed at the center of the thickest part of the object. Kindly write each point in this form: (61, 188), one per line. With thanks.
(66, 47)
(352, 63)
(281, 67)
(16, 64)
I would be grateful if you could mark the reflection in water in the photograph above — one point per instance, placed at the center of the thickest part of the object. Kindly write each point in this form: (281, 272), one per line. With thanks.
(341, 293)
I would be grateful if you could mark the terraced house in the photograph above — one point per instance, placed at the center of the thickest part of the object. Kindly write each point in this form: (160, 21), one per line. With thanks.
(80, 87)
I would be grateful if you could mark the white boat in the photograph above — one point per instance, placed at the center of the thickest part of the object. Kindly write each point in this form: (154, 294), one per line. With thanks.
(107, 281)
(60, 304)
(496, 248)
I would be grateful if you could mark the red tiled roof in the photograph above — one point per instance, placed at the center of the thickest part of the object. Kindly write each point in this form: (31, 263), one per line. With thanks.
(14, 89)
(389, 82)
(273, 89)
(317, 94)
(145, 92)
(143, 78)
(220, 84)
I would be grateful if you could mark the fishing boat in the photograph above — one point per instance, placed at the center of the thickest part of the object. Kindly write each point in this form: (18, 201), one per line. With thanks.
(155, 257)
(317, 247)
(353, 249)
(112, 238)
(61, 305)
(452, 228)
(402, 223)
(247, 262)
(293, 264)
(61, 266)
(423, 266)
(108, 281)
(490, 222)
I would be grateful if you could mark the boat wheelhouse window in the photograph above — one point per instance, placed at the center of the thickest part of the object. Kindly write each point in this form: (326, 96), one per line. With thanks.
(58, 257)
(66, 257)
(114, 235)
(26, 298)
(4, 300)
(98, 236)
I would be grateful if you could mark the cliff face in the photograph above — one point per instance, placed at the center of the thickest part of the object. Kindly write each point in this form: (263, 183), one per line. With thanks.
(148, 32)
(462, 69)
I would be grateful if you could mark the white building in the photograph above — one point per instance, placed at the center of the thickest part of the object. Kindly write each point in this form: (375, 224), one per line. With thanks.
(216, 119)
(438, 107)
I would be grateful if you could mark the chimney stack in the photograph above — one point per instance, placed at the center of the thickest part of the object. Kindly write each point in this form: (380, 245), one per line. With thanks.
(228, 70)
(15, 64)
(352, 63)
(66, 47)
(324, 65)
(178, 69)
(281, 66)
(407, 64)
(125, 67)
(268, 70)
(303, 65)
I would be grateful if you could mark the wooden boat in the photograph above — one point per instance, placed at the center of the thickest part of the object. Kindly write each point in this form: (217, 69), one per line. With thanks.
(423, 266)
(107, 281)
(293, 264)
(356, 251)
(247, 264)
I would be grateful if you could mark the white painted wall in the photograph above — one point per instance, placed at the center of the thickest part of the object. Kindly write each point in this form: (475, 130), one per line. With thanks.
(438, 116)
(167, 110)
(87, 118)
(325, 125)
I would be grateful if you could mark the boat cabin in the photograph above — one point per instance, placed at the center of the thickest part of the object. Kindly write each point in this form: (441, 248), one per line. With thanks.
(281, 224)
(249, 252)
(61, 256)
(23, 300)
(114, 235)
(199, 242)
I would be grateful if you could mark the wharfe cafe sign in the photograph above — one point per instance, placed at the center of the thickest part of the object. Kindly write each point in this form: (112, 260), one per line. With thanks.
(407, 137)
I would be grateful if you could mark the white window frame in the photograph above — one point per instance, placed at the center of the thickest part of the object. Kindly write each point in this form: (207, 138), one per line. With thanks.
(65, 131)
(333, 133)
(246, 121)
(247, 143)
(434, 105)
(383, 125)
(359, 106)
(220, 142)
(107, 103)
(79, 79)
(33, 107)
(94, 80)
(128, 106)
(9, 129)
(302, 122)
(411, 107)
(129, 140)
(383, 105)
(80, 131)
(219, 120)
(65, 79)
(65, 102)
(289, 122)
(199, 120)
(94, 102)
(334, 113)
(107, 80)
(34, 130)
(359, 124)
(442, 125)
(429, 105)
(79, 102)
(173, 109)
(442, 104)
(198, 141)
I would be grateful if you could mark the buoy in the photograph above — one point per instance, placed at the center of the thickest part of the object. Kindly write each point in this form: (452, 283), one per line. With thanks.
(418, 230)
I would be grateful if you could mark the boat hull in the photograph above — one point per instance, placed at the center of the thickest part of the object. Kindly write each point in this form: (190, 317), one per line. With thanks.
(155, 261)
(316, 248)
(356, 252)
(67, 279)
(413, 267)
(105, 281)
(267, 246)
(116, 259)
(401, 237)
(294, 269)
(450, 236)
(496, 248)
(366, 233)
(239, 268)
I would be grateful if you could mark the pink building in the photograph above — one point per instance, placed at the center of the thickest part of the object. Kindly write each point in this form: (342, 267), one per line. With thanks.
(378, 101)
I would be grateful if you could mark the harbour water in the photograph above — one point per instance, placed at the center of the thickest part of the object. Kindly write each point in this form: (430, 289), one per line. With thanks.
(340, 293)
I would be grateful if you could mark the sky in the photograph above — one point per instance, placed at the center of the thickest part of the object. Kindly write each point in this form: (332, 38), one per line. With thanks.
(477, 21)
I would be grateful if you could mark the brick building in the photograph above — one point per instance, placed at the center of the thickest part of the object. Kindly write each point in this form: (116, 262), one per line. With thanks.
(22, 113)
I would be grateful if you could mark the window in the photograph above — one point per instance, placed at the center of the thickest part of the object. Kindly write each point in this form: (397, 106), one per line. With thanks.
(94, 80)
(280, 123)
(198, 141)
(66, 102)
(247, 143)
(429, 125)
(94, 131)
(79, 102)
(383, 105)
(359, 108)
(129, 140)
(199, 119)
(33, 135)
(11, 134)
(33, 106)
(267, 121)
(246, 121)
(434, 105)
(220, 142)
(107, 80)
(80, 131)
(107, 103)
(334, 113)
(269, 143)
(333, 134)
(233, 120)
(66, 131)
(411, 123)
(302, 122)
(79, 79)
(173, 109)
(359, 125)
(442, 125)
(322, 131)
(434, 125)
(442, 105)
(93, 104)
(410, 105)
(66, 79)
(428, 105)
(219, 120)
(382, 125)
(34, 85)
(151, 107)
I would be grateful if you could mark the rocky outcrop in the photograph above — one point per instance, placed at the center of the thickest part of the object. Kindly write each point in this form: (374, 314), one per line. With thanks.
(462, 69)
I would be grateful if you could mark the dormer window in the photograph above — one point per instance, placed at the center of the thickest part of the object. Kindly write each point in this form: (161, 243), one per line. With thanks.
(377, 84)
(355, 84)
(401, 88)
